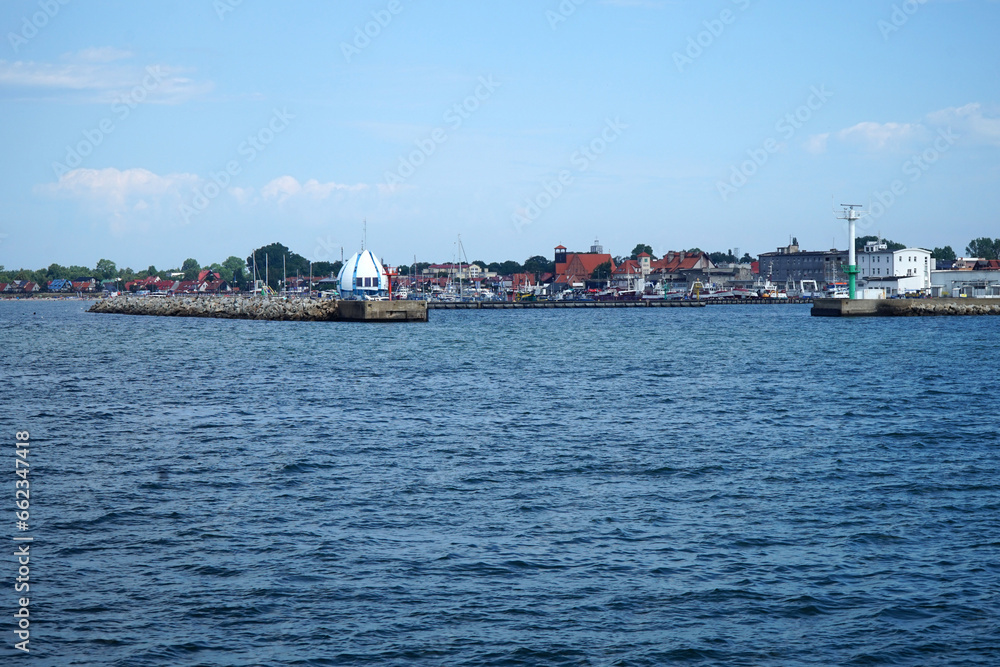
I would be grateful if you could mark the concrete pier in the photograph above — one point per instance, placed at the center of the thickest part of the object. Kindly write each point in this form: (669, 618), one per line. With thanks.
(263, 308)
(903, 307)
(382, 311)
(529, 305)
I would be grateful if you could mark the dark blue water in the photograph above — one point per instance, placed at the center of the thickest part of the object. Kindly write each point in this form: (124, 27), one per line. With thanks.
(723, 486)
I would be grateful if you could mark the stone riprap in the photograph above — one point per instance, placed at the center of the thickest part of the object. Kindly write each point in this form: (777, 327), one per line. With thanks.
(230, 308)
(930, 307)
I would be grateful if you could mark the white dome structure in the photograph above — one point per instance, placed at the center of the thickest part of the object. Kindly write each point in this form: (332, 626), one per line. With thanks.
(362, 276)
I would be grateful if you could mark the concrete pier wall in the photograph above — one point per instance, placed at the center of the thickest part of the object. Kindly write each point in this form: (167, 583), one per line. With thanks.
(904, 307)
(383, 311)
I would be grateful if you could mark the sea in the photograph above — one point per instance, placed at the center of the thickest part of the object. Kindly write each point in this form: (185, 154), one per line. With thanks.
(730, 485)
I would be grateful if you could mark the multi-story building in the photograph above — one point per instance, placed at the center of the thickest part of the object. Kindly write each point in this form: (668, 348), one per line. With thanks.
(898, 271)
(575, 268)
(790, 264)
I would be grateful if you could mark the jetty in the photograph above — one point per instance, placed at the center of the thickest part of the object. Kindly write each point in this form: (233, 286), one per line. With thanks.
(265, 308)
(904, 307)
(526, 305)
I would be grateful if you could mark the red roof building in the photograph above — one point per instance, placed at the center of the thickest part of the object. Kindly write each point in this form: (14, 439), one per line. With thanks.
(629, 267)
(577, 267)
(204, 274)
(214, 286)
(675, 262)
(164, 285)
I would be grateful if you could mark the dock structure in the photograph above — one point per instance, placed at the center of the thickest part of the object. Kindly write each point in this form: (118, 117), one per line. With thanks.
(265, 308)
(382, 311)
(526, 305)
(904, 307)
(649, 303)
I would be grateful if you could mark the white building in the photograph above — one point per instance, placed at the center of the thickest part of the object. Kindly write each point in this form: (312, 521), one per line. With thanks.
(898, 271)
(362, 276)
(970, 283)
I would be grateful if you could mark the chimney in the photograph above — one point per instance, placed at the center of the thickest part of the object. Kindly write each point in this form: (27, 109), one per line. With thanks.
(683, 255)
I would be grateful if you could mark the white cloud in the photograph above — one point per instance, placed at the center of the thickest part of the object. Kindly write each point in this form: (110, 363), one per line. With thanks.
(126, 198)
(286, 187)
(103, 54)
(98, 75)
(817, 143)
(970, 122)
(878, 136)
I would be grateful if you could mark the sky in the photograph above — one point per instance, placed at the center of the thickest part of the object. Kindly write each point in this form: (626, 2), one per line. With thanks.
(150, 132)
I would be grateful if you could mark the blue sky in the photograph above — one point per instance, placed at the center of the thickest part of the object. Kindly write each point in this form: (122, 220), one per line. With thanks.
(150, 132)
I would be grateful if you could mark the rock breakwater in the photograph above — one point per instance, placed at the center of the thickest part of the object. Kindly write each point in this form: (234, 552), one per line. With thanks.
(230, 308)
(929, 307)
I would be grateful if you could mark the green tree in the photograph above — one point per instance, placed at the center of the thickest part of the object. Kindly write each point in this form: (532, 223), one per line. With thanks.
(105, 269)
(859, 243)
(602, 272)
(747, 259)
(191, 268)
(227, 270)
(239, 279)
(946, 253)
(327, 268)
(984, 247)
(56, 272)
(642, 248)
(507, 268)
(722, 257)
(77, 271)
(538, 265)
(269, 260)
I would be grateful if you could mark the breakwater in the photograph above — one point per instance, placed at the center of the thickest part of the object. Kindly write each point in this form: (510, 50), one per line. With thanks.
(264, 308)
(904, 307)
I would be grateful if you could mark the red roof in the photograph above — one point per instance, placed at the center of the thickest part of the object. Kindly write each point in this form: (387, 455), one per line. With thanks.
(580, 266)
(644, 254)
(560, 247)
(679, 261)
(522, 279)
(629, 266)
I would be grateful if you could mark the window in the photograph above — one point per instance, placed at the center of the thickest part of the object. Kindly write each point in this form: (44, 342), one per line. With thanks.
(361, 282)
